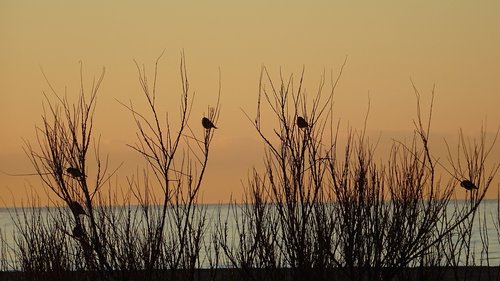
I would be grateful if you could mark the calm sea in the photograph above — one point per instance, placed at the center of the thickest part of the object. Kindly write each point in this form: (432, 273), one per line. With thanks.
(486, 219)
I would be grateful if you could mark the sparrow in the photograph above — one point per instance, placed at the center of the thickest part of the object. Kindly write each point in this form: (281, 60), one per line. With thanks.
(207, 124)
(301, 122)
(467, 184)
(76, 208)
(74, 172)
(78, 231)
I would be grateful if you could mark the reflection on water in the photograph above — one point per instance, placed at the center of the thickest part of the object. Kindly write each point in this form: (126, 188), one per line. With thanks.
(487, 216)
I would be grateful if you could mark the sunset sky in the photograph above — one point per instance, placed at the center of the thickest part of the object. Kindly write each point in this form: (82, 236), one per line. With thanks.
(454, 45)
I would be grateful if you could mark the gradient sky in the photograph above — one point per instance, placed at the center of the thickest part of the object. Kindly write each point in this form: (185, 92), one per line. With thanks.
(452, 44)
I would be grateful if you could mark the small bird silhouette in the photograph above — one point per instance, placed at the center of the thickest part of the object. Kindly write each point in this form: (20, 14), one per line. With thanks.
(74, 172)
(207, 124)
(78, 231)
(76, 208)
(467, 184)
(301, 122)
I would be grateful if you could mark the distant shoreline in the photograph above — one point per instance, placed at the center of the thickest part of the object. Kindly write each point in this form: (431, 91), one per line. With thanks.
(5, 208)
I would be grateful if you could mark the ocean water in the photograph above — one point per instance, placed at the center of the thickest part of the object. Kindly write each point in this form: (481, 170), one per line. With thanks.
(486, 223)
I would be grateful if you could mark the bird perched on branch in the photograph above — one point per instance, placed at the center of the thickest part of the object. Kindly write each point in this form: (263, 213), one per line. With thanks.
(207, 124)
(467, 184)
(74, 172)
(78, 231)
(76, 208)
(301, 122)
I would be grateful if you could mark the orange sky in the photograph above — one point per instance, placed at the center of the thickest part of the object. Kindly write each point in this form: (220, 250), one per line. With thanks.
(453, 44)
